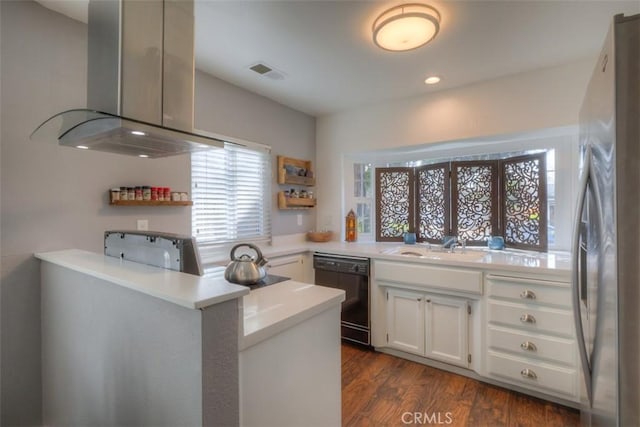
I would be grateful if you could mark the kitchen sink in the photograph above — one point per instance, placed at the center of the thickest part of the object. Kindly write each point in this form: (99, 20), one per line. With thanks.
(428, 253)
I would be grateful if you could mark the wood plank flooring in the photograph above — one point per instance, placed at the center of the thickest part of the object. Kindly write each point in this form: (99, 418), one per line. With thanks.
(382, 390)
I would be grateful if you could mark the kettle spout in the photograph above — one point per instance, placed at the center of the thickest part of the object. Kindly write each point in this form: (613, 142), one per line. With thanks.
(262, 261)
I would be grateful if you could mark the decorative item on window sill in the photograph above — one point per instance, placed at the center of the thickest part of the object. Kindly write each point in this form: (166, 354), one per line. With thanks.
(409, 238)
(496, 242)
(351, 231)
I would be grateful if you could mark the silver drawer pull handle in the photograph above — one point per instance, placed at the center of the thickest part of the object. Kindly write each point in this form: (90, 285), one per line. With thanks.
(527, 318)
(528, 373)
(529, 346)
(527, 294)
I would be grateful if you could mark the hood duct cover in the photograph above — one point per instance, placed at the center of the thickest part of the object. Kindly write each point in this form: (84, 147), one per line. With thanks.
(140, 82)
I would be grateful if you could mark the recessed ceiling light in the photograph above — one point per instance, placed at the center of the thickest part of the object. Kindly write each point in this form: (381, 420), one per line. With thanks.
(432, 80)
(406, 27)
(138, 132)
(144, 156)
(84, 147)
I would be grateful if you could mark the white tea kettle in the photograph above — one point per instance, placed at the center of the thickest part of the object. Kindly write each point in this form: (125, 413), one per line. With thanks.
(245, 270)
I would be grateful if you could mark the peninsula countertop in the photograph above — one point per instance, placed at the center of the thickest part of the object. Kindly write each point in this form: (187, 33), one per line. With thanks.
(269, 310)
(264, 312)
(187, 290)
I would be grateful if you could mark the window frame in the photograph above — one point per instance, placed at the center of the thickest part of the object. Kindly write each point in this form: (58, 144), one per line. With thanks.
(495, 198)
(542, 196)
(447, 199)
(211, 247)
(411, 202)
(498, 199)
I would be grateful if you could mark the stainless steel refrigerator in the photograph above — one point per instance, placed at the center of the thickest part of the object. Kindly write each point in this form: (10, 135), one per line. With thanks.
(606, 254)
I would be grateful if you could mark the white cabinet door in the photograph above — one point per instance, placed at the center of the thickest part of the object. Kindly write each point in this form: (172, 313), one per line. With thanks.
(405, 321)
(446, 327)
(291, 266)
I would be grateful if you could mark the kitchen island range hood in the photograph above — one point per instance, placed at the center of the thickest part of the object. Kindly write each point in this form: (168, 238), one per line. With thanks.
(140, 83)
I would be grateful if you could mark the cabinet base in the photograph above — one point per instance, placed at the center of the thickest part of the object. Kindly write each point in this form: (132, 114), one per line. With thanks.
(474, 375)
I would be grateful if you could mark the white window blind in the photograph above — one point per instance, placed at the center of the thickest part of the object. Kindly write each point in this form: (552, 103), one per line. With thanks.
(231, 197)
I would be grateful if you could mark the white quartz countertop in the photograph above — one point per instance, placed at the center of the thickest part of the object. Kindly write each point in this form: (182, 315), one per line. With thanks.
(273, 309)
(187, 290)
(513, 260)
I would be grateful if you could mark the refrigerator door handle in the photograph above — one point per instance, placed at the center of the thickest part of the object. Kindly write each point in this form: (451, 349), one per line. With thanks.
(577, 267)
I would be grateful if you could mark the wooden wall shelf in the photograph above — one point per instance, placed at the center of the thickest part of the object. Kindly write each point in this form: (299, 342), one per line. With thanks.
(294, 202)
(289, 171)
(150, 203)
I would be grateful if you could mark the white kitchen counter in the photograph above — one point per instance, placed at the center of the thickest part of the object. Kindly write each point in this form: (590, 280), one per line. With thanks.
(186, 290)
(507, 260)
(270, 310)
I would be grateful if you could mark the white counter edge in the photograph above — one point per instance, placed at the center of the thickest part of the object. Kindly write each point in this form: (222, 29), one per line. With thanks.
(324, 299)
(183, 289)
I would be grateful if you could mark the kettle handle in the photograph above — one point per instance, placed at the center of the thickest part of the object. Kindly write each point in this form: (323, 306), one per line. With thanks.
(249, 245)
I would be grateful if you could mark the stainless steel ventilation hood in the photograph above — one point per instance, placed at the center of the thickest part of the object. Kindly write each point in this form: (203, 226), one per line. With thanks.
(140, 82)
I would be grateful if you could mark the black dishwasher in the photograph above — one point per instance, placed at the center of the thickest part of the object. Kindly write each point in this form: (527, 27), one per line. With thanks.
(350, 274)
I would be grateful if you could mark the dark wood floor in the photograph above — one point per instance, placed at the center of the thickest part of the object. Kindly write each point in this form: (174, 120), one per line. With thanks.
(382, 390)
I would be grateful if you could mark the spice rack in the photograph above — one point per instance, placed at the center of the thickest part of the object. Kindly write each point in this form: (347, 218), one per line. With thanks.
(150, 203)
(285, 202)
(299, 173)
(148, 199)
(295, 172)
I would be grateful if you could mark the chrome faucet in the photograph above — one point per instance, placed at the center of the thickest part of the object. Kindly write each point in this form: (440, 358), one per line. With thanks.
(463, 242)
(457, 243)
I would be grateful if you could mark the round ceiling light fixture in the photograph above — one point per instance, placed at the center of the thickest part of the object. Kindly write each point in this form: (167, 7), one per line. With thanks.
(432, 80)
(406, 27)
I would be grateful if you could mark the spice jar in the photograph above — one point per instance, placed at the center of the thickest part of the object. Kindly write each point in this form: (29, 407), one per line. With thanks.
(175, 196)
(146, 192)
(154, 193)
(167, 193)
(138, 193)
(114, 194)
(131, 193)
(123, 193)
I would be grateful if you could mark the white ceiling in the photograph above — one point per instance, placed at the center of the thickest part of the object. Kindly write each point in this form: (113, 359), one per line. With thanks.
(325, 51)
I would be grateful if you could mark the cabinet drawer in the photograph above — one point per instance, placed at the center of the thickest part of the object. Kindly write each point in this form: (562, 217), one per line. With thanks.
(540, 376)
(523, 344)
(452, 279)
(529, 291)
(538, 319)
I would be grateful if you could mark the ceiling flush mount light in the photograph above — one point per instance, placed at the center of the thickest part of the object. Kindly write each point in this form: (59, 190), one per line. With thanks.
(82, 147)
(432, 80)
(406, 27)
(138, 132)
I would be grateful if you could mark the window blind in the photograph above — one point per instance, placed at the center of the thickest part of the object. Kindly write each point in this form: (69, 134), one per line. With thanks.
(231, 195)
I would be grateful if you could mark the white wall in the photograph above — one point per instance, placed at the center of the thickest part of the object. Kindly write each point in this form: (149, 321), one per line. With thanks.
(229, 110)
(54, 197)
(537, 100)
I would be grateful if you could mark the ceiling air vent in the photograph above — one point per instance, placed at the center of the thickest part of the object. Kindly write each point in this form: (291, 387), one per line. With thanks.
(267, 71)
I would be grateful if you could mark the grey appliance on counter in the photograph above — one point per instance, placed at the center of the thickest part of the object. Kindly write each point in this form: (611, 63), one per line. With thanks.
(606, 274)
(351, 274)
(159, 249)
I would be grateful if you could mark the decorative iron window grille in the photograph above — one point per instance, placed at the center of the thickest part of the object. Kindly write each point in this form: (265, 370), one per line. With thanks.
(468, 199)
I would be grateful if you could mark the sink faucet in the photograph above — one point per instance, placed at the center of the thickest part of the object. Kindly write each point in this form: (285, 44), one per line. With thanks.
(457, 243)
